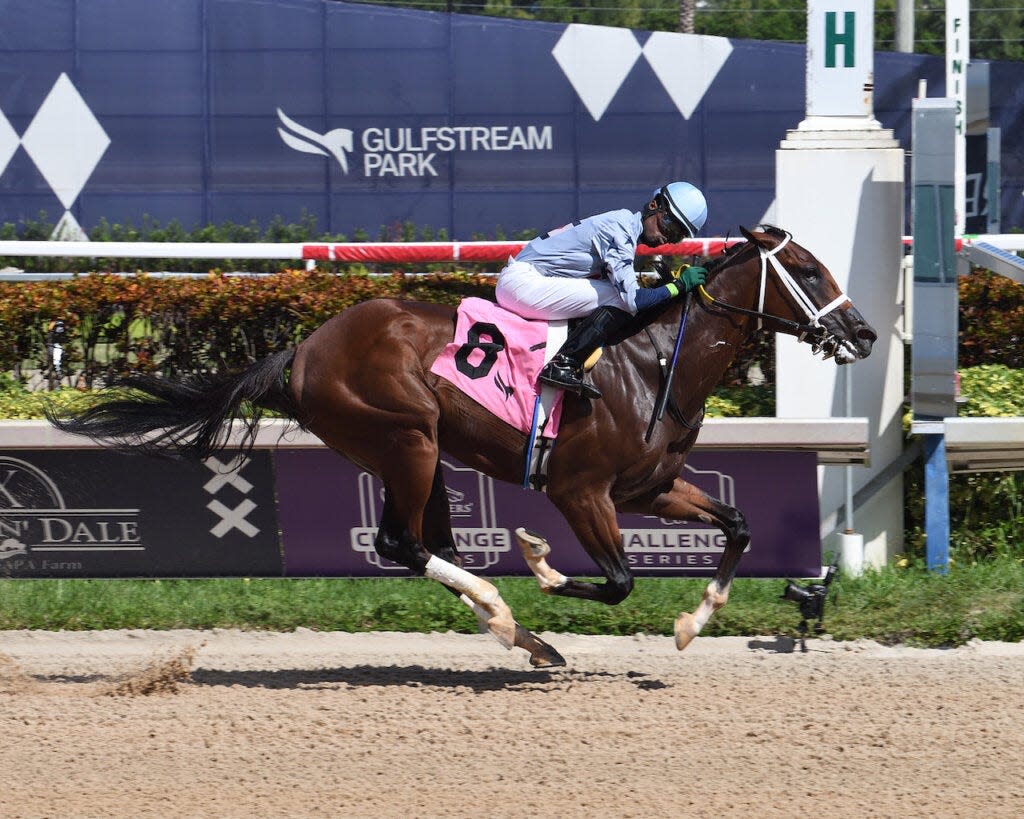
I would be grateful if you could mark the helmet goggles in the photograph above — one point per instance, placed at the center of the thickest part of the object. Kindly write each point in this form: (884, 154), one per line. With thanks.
(669, 227)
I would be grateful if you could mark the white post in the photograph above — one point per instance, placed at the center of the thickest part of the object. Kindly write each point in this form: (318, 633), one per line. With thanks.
(851, 553)
(839, 190)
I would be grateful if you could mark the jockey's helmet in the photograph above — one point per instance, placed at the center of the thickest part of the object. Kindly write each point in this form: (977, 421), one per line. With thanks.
(685, 204)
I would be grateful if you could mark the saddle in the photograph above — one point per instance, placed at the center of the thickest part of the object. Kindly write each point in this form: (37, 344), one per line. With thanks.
(494, 358)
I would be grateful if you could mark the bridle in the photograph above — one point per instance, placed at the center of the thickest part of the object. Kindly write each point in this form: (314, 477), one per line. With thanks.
(812, 330)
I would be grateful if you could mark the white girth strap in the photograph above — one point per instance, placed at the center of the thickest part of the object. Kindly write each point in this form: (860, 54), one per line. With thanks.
(812, 313)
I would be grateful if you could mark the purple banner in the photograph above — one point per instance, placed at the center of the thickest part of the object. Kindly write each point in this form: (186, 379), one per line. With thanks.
(329, 511)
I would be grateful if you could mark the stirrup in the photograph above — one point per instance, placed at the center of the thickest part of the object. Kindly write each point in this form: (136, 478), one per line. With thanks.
(566, 378)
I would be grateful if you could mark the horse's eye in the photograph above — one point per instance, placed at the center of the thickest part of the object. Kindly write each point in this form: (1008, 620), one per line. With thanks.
(812, 274)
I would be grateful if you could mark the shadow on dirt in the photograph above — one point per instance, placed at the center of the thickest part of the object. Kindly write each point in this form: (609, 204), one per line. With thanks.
(780, 645)
(416, 676)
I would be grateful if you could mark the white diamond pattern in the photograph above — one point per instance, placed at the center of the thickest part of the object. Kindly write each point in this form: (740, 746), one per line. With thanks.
(68, 230)
(596, 60)
(65, 140)
(686, 64)
(8, 142)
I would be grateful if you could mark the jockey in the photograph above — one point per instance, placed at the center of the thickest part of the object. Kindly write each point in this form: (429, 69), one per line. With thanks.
(585, 271)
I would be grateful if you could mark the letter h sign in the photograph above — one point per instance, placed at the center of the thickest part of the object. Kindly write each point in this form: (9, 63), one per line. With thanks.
(840, 69)
(835, 39)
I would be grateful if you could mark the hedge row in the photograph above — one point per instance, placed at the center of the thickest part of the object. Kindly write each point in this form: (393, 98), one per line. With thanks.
(991, 320)
(110, 324)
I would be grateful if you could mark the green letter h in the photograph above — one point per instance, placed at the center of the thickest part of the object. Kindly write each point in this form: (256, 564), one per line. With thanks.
(833, 39)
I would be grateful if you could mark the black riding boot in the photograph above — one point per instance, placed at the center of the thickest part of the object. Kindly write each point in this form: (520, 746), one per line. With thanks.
(565, 370)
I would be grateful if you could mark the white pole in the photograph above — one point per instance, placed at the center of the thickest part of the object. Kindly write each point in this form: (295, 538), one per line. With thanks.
(851, 543)
(905, 26)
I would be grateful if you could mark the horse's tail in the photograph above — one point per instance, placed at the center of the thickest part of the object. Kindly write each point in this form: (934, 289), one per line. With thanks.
(190, 418)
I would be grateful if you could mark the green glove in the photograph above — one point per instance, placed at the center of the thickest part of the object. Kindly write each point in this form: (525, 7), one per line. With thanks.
(690, 277)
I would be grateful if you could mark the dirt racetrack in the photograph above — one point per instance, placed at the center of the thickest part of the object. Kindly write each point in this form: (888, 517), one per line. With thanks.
(231, 724)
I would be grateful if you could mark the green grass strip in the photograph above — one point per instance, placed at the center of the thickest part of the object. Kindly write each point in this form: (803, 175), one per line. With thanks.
(907, 605)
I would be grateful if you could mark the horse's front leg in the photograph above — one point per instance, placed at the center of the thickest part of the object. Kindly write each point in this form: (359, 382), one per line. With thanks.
(535, 549)
(684, 501)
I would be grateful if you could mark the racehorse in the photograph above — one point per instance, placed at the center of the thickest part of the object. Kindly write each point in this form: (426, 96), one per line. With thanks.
(362, 383)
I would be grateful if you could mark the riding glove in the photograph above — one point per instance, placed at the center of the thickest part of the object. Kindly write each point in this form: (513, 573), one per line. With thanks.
(686, 279)
(689, 277)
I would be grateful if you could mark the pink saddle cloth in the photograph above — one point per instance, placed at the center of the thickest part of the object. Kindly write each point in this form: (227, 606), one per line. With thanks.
(495, 358)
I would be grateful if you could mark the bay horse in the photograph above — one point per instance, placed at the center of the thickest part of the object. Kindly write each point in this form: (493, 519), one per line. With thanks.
(362, 383)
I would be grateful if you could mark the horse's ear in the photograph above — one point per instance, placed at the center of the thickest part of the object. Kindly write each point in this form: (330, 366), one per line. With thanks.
(748, 235)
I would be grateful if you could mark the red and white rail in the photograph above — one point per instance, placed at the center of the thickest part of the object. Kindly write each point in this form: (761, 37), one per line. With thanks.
(380, 252)
(374, 252)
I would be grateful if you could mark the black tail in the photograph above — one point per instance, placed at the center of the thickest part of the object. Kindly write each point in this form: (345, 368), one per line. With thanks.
(190, 418)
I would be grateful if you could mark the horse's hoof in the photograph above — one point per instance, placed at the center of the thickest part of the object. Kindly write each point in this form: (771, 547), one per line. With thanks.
(686, 629)
(551, 659)
(532, 544)
(541, 654)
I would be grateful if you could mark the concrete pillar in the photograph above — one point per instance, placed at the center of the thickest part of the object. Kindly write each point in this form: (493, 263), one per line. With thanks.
(839, 191)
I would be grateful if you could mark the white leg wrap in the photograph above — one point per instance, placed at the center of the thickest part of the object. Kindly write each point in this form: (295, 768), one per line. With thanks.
(478, 589)
(482, 615)
(481, 596)
(703, 614)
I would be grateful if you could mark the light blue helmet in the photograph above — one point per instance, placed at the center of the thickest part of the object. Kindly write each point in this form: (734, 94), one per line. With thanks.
(686, 204)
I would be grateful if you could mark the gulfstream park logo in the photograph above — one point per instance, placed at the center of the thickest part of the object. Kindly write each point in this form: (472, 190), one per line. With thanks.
(388, 152)
(39, 532)
(480, 542)
(336, 143)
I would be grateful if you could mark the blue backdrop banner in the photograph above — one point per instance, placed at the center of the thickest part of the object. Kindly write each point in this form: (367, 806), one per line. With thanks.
(214, 110)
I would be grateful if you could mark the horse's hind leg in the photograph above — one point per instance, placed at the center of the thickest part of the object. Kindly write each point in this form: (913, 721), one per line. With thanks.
(360, 388)
(409, 482)
(414, 504)
(685, 501)
(438, 539)
(437, 521)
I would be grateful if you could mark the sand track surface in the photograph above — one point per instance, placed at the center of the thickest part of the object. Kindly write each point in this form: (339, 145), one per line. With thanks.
(305, 724)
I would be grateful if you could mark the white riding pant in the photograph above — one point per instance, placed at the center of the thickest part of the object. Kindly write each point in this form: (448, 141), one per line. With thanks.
(524, 290)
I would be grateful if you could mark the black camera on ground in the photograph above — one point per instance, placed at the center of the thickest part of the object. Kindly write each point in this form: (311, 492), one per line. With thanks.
(811, 599)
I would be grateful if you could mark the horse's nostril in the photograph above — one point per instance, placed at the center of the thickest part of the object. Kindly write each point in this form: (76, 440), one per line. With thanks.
(865, 333)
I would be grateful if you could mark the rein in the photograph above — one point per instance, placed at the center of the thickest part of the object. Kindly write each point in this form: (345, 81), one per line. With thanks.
(813, 314)
(666, 383)
(664, 400)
